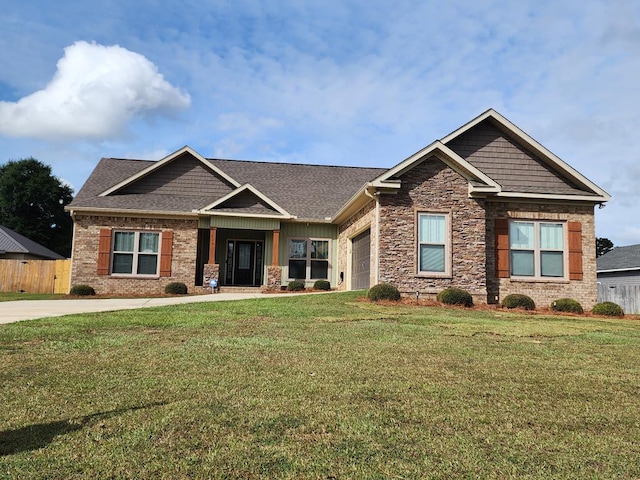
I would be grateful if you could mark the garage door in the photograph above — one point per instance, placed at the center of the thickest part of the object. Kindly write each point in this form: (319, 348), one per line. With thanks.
(360, 261)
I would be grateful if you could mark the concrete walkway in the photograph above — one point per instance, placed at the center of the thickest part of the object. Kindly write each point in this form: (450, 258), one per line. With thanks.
(30, 309)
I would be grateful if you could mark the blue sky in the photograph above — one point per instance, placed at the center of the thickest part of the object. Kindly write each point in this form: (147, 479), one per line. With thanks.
(351, 82)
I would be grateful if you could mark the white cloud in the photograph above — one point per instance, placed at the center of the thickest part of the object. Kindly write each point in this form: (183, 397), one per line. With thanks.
(96, 90)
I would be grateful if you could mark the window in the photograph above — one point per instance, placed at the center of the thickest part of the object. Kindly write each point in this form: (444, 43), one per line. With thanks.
(308, 259)
(537, 249)
(135, 253)
(434, 244)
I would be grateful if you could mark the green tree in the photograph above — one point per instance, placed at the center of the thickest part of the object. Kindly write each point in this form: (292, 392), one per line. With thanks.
(603, 245)
(32, 202)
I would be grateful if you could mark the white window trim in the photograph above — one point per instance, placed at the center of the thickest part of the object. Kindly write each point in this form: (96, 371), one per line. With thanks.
(309, 259)
(136, 246)
(447, 245)
(537, 257)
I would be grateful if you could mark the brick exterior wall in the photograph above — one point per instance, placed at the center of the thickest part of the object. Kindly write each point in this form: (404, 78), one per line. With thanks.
(356, 224)
(544, 292)
(85, 254)
(433, 187)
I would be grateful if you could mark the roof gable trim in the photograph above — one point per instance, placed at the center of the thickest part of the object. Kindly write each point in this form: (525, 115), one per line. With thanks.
(168, 159)
(535, 146)
(450, 158)
(246, 187)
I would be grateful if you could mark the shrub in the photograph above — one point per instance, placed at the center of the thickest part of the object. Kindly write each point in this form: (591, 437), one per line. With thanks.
(567, 305)
(295, 286)
(516, 300)
(455, 296)
(176, 288)
(383, 291)
(609, 309)
(322, 285)
(82, 290)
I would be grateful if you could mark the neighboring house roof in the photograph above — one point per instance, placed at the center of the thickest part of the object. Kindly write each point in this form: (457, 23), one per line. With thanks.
(13, 242)
(496, 157)
(619, 259)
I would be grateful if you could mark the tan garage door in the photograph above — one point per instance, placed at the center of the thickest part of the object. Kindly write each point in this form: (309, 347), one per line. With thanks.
(361, 261)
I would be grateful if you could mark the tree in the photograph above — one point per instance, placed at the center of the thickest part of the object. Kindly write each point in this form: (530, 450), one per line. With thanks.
(32, 202)
(603, 245)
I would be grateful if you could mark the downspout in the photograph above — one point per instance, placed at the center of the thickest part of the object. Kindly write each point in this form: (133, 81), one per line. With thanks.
(376, 197)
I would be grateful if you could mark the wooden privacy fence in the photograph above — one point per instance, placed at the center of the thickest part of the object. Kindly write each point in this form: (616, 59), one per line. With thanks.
(627, 296)
(35, 276)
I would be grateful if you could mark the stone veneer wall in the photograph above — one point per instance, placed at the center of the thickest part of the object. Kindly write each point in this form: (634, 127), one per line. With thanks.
(544, 292)
(433, 187)
(356, 224)
(85, 254)
(274, 277)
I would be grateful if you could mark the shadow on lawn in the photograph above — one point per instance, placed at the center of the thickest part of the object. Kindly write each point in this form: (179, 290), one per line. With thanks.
(33, 437)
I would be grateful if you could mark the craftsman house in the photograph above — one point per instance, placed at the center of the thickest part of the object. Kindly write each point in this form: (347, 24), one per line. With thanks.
(486, 208)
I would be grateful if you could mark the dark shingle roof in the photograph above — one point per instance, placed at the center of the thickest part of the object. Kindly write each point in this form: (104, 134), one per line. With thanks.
(312, 192)
(620, 258)
(13, 242)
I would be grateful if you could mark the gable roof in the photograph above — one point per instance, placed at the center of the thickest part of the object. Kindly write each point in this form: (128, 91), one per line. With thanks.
(478, 181)
(165, 161)
(300, 191)
(495, 157)
(13, 242)
(249, 201)
(619, 259)
(498, 159)
(519, 164)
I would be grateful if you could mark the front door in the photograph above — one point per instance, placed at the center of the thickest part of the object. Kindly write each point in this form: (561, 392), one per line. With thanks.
(244, 262)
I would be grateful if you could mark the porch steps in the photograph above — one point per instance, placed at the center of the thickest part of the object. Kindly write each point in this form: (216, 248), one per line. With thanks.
(230, 289)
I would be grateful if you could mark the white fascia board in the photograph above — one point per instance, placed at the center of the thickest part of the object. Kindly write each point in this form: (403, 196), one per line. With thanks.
(549, 196)
(165, 160)
(129, 212)
(217, 213)
(240, 189)
(533, 145)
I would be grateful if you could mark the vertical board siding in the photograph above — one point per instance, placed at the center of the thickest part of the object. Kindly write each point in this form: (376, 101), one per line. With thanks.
(627, 296)
(62, 276)
(34, 276)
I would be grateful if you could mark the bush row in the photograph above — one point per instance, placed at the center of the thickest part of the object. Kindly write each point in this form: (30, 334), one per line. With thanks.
(457, 296)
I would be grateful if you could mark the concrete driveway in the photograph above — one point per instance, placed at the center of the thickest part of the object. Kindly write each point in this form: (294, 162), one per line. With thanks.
(30, 309)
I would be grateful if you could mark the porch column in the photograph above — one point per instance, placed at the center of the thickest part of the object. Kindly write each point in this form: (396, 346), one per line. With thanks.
(212, 245)
(276, 248)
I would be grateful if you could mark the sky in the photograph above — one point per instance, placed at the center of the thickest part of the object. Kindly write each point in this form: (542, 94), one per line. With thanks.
(339, 82)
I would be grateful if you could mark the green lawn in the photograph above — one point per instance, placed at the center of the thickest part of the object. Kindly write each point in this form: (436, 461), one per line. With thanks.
(319, 387)
(9, 297)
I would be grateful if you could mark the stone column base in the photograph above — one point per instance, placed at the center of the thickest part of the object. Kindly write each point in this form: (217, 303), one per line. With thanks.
(211, 270)
(274, 277)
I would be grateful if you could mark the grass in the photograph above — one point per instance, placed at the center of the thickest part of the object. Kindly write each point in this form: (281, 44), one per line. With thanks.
(319, 387)
(11, 296)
